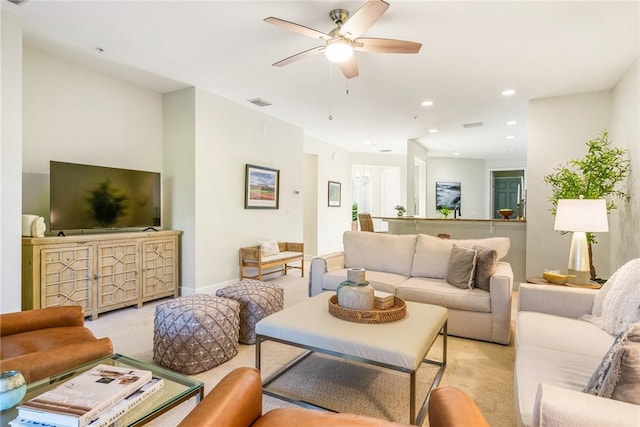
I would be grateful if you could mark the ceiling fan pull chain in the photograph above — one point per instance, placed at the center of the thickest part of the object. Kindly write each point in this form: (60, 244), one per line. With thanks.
(330, 92)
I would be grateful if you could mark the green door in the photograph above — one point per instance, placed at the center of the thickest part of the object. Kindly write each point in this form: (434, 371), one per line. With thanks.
(506, 195)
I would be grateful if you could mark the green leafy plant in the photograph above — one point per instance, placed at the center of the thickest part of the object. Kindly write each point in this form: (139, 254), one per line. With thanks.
(444, 210)
(598, 175)
(400, 209)
(107, 204)
(354, 212)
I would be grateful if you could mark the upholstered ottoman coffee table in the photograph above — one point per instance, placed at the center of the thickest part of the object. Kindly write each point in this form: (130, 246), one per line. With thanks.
(257, 300)
(401, 345)
(195, 333)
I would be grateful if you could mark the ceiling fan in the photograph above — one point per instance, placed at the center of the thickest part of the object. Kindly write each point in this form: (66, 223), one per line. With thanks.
(340, 42)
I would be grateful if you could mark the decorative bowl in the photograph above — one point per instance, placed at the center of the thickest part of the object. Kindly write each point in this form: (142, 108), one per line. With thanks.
(12, 389)
(505, 213)
(556, 278)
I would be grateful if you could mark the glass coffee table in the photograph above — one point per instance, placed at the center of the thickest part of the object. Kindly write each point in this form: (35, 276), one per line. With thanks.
(177, 389)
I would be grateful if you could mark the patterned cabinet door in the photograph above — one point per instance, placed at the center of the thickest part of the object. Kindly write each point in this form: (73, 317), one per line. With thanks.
(66, 277)
(117, 273)
(159, 267)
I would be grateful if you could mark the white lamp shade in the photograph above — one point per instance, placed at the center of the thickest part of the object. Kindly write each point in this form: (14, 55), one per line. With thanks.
(588, 215)
(338, 50)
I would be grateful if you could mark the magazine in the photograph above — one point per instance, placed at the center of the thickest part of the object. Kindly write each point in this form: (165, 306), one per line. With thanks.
(109, 416)
(80, 400)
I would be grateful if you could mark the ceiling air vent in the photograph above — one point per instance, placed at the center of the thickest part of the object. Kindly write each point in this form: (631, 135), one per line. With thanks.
(472, 125)
(385, 150)
(260, 102)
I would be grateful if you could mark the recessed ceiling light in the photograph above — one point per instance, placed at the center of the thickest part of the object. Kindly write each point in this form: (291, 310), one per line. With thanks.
(427, 103)
(456, 154)
(510, 137)
(433, 130)
(512, 149)
(508, 92)
(511, 123)
(367, 142)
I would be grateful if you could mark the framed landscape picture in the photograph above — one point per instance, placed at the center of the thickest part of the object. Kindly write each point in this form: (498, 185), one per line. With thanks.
(335, 190)
(448, 195)
(262, 187)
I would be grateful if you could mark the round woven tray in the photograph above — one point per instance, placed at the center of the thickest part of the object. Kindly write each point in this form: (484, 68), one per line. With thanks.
(395, 312)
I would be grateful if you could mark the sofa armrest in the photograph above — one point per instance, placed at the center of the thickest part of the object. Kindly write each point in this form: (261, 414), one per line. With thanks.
(451, 407)
(50, 317)
(556, 406)
(236, 401)
(321, 265)
(500, 291)
(558, 300)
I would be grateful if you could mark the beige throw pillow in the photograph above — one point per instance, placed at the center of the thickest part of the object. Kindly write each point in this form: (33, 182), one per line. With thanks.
(462, 266)
(486, 261)
(618, 376)
(269, 247)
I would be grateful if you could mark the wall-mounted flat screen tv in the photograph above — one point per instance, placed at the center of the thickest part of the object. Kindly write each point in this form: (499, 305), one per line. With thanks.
(96, 197)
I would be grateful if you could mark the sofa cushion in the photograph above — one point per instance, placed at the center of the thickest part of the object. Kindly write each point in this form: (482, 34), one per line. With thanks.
(486, 262)
(439, 292)
(462, 267)
(618, 375)
(535, 365)
(380, 280)
(431, 257)
(391, 253)
(562, 334)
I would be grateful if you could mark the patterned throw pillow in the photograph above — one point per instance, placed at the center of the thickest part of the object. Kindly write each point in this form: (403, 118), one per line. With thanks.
(618, 375)
(269, 247)
(462, 265)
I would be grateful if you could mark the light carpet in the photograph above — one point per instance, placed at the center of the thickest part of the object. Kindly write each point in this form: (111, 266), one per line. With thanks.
(483, 370)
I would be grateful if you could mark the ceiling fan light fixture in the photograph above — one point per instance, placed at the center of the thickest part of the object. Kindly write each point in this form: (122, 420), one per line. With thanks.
(338, 50)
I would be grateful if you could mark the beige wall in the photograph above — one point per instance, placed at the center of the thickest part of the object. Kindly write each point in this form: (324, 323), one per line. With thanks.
(559, 129)
(624, 222)
(10, 163)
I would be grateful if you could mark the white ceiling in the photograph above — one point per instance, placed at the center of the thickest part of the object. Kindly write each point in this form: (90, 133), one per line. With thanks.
(471, 52)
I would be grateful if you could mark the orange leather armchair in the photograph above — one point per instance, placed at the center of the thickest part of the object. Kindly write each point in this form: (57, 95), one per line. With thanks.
(237, 402)
(43, 342)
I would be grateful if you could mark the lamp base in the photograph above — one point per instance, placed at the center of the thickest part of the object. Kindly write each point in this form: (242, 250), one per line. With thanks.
(582, 277)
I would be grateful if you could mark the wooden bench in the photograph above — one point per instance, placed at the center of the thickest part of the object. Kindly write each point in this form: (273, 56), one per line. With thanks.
(251, 257)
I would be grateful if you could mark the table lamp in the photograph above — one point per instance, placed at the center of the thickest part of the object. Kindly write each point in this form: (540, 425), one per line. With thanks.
(581, 216)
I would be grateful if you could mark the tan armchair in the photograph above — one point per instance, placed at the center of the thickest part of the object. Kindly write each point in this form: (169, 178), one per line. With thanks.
(43, 342)
(237, 402)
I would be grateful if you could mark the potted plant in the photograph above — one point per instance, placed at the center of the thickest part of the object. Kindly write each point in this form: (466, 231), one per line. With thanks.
(596, 176)
(444, 210)
(354, 217)
(400, 210)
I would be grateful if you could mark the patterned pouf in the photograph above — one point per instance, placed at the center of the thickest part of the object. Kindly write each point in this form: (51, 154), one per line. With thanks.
(257, 300)
(195, 333)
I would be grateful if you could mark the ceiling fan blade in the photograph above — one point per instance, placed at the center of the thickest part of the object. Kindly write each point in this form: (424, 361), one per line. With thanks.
(386, 45)
(364, 18)
(297, 28)
(349, 68)
(299, 56)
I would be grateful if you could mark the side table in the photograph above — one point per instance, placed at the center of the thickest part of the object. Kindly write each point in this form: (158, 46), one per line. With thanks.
(542, 281)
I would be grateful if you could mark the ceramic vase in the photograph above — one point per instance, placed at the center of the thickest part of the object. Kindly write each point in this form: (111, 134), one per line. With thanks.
(12, 389)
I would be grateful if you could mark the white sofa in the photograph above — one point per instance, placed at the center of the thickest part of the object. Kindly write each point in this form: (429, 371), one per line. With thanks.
(556, 355)
(414, 268)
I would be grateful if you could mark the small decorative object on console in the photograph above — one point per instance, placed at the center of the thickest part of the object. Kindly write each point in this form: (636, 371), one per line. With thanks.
(400, 210)
(506, 213)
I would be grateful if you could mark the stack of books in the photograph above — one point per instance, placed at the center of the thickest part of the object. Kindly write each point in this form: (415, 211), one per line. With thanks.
(95, 398)
(383, 300)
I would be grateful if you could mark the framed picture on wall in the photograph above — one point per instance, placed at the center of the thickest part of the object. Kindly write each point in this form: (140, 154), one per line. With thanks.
(448, 195)
(335, 193)
(262, 187)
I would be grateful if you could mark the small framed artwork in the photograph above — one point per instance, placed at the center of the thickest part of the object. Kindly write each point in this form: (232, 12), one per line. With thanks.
(262, 187)
(335, 193)
(448, 195)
